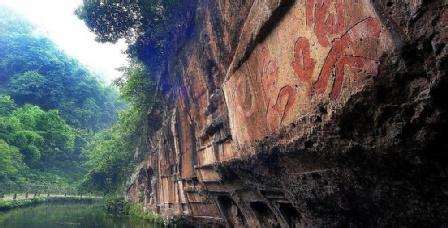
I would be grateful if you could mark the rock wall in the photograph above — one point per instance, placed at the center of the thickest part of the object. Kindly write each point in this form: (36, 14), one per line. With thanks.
(321, 51)
(304, 113)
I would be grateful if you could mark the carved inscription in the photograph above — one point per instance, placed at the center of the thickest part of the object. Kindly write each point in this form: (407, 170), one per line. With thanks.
(244, 97)
(281, 108)
(303, 64)
(320, 49)
(327, 16)
(279, 101)
(338, 59)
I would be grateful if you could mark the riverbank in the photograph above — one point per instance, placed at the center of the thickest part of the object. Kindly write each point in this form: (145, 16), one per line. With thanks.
(121, 207)
(73, 215)
(8, 204)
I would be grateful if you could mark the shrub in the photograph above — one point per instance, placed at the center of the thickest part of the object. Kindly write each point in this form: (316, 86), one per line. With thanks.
(117, 206)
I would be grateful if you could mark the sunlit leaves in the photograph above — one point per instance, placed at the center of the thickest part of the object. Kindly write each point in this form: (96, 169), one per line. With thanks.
(109, 157)
(135, 86)
(38, 134)
(11, 163)
(31, 137)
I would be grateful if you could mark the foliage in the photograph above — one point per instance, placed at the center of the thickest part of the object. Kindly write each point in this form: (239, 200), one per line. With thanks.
(109, 156)
(28, 86)
(108, 162)
(6, 205)
(12, 167)
(34, 71)
(118, 206)
(146, 24)
(11, 204)
(33, 138)
(60, 104)
(135, 87)
(50, 106)
(7, 105)
(46, 133)
(137, 211)
(110, 20)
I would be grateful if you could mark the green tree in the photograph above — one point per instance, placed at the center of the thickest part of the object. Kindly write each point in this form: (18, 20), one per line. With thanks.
(28, 87)
(50, 107)
(7, 105)
(11, 166)
(135, 86)
(44, 134)
(34, 71)
(109, 156)
(29, 143)
(146, 24)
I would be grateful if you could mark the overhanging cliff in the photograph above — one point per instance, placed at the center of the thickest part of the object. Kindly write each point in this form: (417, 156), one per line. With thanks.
(303, 113)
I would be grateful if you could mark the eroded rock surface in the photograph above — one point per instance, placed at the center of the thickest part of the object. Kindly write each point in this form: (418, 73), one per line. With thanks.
(304, 113)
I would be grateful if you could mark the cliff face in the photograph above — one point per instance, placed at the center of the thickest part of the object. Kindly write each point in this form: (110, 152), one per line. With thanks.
(304, 113)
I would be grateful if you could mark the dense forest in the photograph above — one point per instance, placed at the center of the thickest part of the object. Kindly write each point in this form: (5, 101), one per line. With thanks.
(62, 127)
(110, 154)
(50, 108)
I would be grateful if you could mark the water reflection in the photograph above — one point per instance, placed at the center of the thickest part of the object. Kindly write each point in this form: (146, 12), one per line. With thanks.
(67, 215)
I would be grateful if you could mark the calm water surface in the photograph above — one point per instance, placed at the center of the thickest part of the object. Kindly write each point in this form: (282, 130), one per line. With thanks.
(67, 215)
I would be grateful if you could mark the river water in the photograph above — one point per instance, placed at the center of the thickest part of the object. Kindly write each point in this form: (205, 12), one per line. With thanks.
(67, 215)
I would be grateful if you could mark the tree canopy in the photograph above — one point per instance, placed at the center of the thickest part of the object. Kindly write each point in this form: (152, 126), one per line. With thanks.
(34, 71)
(33, 138)
(109, 156)
(54, 112)
(50, 108)
(147, 25)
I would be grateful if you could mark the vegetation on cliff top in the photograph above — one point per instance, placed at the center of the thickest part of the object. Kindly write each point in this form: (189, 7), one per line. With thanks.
(147, 26)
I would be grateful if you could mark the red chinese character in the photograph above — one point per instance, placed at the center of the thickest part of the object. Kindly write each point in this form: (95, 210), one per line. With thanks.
(284, 98)
(279, 111)
(327, 17)
(303, 64)
(268, 73)
(337, 59)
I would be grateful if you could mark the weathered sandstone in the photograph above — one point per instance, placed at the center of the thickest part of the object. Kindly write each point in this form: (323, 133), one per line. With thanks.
(303, 113)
